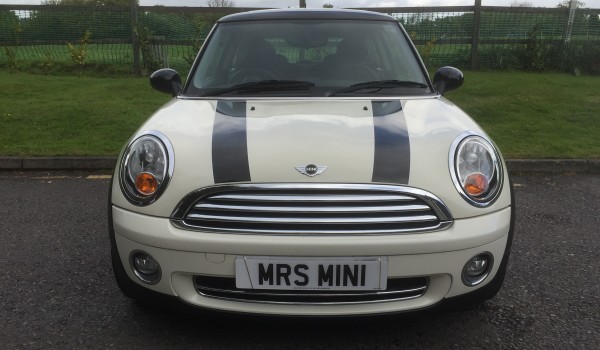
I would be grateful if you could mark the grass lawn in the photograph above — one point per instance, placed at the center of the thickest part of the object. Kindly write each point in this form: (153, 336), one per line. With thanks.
(528, 115)
(533, 115)
(66, 115)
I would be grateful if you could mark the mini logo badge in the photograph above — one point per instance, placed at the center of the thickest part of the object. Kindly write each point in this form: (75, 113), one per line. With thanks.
(311, 169)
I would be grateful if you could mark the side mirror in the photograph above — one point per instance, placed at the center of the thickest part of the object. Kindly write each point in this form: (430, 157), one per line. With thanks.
(447, 78)
(166, 80)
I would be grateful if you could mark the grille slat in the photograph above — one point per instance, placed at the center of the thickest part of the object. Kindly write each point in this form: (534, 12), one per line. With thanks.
(304, 220)
(312, 208)
(311, 198)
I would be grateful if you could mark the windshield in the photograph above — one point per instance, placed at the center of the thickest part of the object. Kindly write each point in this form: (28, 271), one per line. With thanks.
(307, 58)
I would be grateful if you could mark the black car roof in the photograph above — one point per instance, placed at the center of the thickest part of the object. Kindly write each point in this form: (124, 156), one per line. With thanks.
(291, 14)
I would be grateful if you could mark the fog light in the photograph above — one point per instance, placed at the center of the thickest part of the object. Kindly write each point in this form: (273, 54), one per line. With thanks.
(145, 267)
(477, 269)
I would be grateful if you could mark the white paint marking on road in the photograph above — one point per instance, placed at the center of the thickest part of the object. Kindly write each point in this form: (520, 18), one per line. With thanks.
(55, 177)
(99, 177)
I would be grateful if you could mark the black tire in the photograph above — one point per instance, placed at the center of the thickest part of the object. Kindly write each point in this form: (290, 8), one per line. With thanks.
(145, 298)
(131, 289)
(126, 285)
(472, 300)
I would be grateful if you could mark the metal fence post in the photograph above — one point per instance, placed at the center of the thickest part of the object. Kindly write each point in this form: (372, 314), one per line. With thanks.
(570, 20)
(135, 42)
(475, 37)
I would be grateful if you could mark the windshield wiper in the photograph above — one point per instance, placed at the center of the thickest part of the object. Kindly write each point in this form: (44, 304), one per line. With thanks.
(263, 85)
(379, 84)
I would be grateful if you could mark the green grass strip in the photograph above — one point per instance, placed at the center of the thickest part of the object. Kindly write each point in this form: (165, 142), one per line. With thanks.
(76, 116)
(529, 115)
(535, 115)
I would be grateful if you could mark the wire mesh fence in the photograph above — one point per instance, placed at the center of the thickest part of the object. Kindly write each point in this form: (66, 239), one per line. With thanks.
(464, 36)
(42, 32)
(504, 37)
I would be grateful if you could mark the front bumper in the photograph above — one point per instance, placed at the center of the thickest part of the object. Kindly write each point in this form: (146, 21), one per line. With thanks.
(439, 256)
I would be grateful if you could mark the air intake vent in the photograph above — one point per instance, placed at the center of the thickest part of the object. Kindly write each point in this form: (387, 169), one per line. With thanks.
(224, 288)
(312, 209)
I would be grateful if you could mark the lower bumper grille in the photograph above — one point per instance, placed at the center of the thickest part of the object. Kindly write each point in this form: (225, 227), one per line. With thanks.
(224, 288)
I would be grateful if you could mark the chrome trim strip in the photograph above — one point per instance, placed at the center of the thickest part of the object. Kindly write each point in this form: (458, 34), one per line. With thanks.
(259, 293)
(333, 294)
(439, 227)
(305, 198)
(311, 303)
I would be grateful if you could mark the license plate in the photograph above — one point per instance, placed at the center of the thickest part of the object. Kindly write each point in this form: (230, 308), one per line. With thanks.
(294, 273)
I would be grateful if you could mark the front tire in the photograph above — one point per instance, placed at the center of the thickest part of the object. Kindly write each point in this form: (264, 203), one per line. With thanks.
(472, 300)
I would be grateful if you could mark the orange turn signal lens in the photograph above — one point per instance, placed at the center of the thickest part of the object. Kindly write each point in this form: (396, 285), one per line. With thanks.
(146, 184)
(476, 184)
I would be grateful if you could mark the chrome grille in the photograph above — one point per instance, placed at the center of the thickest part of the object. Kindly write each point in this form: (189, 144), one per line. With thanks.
(312, 208)
(224, 288)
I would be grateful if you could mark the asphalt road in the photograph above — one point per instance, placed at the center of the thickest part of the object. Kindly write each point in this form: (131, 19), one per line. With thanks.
(57, 289)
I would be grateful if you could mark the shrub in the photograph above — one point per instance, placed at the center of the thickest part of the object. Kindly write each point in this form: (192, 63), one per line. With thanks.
(79, 53)
(12, 62)
(534, 56)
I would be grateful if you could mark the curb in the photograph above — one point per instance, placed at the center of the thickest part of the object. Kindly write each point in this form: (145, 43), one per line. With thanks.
(57, 163)
(548, 166)
(554, 166)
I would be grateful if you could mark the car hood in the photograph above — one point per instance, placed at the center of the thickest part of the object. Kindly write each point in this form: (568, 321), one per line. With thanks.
(400, 141)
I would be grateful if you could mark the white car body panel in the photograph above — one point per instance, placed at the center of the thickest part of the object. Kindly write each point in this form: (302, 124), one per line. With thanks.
(337, 134)
(466, 233)
(283, 134)
(408, 257)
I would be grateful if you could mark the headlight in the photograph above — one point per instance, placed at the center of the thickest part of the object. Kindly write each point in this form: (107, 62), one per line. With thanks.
(146, 168)
(476, 169)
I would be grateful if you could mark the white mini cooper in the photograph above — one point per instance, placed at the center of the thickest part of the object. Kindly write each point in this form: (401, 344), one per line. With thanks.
(309, 166)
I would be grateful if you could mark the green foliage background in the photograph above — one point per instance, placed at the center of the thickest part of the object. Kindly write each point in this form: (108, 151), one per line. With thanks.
(531, 39)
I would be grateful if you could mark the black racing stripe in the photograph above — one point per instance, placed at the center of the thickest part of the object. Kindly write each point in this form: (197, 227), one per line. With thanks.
(392, 145)
(229, 143)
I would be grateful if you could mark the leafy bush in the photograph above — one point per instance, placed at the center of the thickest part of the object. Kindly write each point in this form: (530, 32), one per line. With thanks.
(12, 62)
(534, 56)
(79, 53)
(500, 57)
(588, 62)
(150, 57)
(47, 63)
